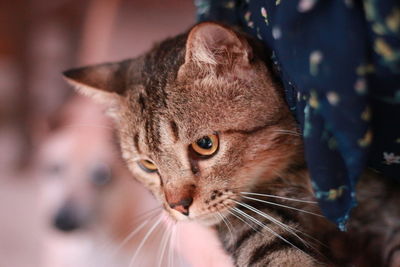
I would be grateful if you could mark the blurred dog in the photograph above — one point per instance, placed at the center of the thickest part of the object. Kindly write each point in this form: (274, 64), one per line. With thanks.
(86, 190)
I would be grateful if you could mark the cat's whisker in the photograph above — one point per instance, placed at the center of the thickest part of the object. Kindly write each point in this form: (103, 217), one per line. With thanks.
(171, 247)
(146, 217)
(175, 241)
(178, 247)
(307, 235)
(151, 230)
(289, 132)
(164, 242)
(310, 237)
(283, 206)
(228, 221)
(146, 214)
(270, 230)
(130, 236)
(274, 220)
(288, 228)
(247, 216)
(280, 197)
(262, 225)
(223, 219)
(238, 217)
(292, 230)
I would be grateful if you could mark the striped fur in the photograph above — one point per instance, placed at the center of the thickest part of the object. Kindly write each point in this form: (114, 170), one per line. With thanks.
(297, 239)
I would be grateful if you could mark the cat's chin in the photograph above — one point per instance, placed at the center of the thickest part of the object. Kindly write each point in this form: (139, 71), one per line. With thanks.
(204, 219)
(207, 219)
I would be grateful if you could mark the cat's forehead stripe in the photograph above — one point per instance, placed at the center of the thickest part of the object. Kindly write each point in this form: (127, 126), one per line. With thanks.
(174, 130)
(136, 143)
(141, 103)
(255, 129)
(153, 133)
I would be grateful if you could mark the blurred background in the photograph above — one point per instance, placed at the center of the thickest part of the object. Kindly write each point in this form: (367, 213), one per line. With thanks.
(66, 198)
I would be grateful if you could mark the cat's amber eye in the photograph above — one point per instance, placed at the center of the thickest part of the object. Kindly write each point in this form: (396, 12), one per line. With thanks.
(206, 146)
(147, 165)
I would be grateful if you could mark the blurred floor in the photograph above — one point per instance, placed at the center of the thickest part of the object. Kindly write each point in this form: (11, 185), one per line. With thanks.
(21, 224)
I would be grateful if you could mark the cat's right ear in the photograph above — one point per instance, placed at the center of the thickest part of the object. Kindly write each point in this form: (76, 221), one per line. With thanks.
(103, 82)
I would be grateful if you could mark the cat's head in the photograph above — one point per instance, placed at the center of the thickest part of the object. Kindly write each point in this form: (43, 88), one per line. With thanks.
(200, 119)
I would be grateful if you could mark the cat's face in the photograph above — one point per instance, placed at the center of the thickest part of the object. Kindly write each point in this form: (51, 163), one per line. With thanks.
(199, 118)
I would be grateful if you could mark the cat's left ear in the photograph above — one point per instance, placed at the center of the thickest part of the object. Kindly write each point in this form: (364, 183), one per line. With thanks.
(105, 83)
(211, 44)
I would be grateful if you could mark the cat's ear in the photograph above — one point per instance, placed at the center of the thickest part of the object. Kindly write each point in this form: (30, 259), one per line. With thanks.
(212, 44)
(105, 83)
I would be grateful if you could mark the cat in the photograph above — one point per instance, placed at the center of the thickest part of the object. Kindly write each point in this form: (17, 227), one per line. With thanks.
(203, 124)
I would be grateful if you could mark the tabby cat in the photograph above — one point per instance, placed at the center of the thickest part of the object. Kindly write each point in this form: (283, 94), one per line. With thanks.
(204, 126)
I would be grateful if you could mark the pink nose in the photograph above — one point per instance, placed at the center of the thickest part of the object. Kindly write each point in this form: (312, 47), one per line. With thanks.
(182, 206)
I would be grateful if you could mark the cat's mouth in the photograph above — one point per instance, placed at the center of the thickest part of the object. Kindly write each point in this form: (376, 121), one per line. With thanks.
(208, 212)
(206, 219)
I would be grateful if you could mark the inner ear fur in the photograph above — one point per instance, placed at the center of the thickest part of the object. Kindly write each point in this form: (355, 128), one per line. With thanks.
(213, 44)
(103, 82)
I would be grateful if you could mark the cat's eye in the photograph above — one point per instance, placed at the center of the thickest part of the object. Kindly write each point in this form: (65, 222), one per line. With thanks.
(206, 146)
(147, 165)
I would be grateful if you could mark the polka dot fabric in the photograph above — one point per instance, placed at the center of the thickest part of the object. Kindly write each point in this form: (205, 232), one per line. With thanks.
(340, 65)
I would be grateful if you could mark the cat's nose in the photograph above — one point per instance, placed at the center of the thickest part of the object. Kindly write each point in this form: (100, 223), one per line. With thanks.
(182, 206)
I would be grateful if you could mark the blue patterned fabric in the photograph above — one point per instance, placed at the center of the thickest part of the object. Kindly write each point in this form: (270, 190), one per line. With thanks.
(339, 61)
